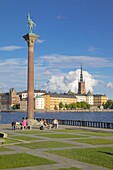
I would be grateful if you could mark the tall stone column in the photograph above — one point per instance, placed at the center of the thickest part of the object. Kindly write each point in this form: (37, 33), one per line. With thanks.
(30, 38)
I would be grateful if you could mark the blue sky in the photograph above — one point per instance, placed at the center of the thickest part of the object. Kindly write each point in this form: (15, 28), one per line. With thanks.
(71, 33)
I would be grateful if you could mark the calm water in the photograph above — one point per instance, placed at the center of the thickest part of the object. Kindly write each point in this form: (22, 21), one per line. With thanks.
(8, 117)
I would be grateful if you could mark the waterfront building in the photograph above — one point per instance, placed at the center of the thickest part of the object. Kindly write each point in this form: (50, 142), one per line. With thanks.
(81, 84)
(100, 99)
(5, 101)
(80, 97)
(23, 94)
(14, 97)
(90, 98)
(23, 104)
(8, 100)
(52, 100)
(39, 102)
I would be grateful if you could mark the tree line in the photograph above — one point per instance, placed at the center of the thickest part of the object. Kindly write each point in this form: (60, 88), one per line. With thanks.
(77, 105)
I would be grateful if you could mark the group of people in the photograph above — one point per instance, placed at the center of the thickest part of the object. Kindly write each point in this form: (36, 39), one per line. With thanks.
(20, 125)
(44, 124)
(24, 124)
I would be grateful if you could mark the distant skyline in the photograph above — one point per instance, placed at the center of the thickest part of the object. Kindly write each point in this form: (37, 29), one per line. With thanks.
(71, 33)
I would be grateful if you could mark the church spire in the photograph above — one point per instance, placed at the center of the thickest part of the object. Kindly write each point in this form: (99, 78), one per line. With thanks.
(81, 84)
(81, 75)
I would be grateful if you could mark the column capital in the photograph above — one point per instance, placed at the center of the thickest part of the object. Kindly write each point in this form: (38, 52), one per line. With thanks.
(30, 38)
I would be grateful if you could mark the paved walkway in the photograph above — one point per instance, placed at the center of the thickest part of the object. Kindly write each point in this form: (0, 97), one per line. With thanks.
(61, 162)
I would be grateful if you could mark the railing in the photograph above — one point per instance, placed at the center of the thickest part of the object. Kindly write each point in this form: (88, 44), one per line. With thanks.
(108, 125)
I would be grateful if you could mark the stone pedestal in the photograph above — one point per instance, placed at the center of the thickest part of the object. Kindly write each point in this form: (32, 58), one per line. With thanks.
(30, 38)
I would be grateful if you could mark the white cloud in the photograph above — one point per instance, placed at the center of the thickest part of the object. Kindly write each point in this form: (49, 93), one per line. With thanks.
(10, 48)
(110, 85)
(69, 81)
(13, 74)
(62, 61)
(40, 41)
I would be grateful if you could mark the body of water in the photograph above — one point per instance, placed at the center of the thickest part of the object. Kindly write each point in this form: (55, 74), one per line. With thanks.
(8, 117)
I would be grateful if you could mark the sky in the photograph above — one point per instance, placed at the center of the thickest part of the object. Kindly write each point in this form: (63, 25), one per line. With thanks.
(71, 33)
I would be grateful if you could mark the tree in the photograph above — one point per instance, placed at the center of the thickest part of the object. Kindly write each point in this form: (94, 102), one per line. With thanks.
(61, 105)
(66, 105)
(71, 93)
(108, 104)
(16, 106)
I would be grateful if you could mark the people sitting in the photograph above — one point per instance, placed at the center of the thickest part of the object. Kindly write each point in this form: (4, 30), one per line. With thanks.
(45, 123)
(24, 123)
(55, 124)
(18, 125)
(13, 125)
(41, 124)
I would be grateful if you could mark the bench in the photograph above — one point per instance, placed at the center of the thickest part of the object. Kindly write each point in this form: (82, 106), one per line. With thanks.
(3, 135)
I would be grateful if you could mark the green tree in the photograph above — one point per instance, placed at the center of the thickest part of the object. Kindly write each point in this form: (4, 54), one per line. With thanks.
(61, 105)
(16, 106)
(66, 106)
(78, 105)
(108, 104)
(71, 93)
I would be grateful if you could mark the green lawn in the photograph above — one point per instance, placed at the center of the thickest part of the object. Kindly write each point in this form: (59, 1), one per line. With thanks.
(8, 141)
(59, 135)
(22, 160)
(26, 138)
(45, 144)
(33, 131)
(85, 132)
(97, 156)
(74, 131)
(95, 141)
(2, 149)
(96, 133)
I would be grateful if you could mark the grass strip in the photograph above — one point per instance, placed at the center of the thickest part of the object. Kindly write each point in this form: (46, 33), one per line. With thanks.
(26, 138)
(33, 132)
(3, 149)
(56, 135)
(96, 133)
(96, 156)
(8, 141)
(95, 141)
(22, 160)
(45, 144)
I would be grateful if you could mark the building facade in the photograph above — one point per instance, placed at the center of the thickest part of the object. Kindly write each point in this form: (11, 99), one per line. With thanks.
(80, 97)
(23, 94)
(23, 104)
(39, 102)
(5, 101)
(52, 100)
(99, 100)
(90, 98)
(14, 97)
